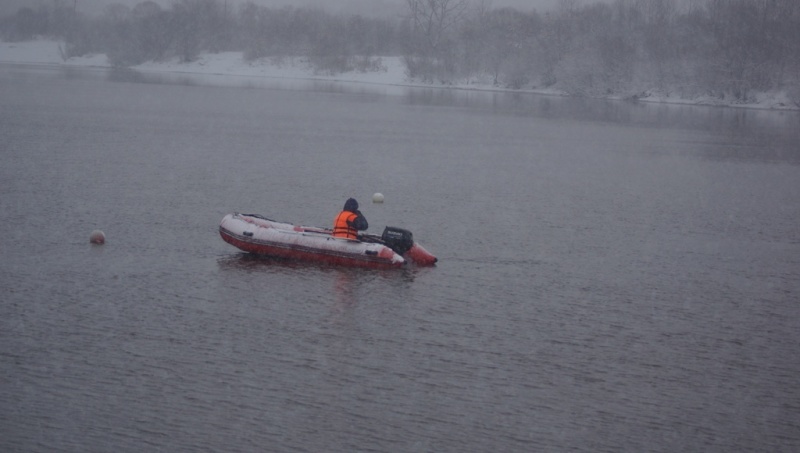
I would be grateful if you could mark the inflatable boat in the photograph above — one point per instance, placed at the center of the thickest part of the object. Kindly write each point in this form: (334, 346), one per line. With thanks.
(259, 235)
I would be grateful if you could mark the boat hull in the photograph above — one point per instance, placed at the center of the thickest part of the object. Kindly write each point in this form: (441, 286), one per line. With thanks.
(262, 236)
(418, 255)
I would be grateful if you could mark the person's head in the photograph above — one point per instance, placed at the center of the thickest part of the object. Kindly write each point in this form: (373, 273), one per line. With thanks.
(351, 205)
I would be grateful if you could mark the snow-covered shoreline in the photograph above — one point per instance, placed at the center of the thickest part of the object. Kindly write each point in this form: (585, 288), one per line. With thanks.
(48, 52)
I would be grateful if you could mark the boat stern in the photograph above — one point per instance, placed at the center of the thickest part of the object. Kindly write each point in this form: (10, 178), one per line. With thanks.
(419, 256)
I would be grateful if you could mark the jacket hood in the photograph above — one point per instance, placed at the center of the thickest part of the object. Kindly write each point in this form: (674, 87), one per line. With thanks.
(351, 205)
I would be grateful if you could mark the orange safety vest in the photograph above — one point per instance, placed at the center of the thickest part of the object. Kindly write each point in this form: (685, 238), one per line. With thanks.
(342, 228)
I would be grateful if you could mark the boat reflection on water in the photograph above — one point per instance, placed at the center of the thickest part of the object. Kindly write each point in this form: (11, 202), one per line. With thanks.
(310, 286)
(253, 263)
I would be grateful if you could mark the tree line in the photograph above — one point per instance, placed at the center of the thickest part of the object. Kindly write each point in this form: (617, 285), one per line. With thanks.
(723, 48)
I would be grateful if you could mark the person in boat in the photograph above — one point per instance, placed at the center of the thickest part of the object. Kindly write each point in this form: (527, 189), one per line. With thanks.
(350, 221)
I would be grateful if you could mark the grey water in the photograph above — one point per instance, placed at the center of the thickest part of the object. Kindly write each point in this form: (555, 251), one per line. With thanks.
(612, 276)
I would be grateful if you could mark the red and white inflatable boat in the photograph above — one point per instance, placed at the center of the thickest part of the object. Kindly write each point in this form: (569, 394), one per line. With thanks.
(256, 234)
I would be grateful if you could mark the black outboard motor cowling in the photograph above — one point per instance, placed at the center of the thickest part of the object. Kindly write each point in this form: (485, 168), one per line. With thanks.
(398, 239)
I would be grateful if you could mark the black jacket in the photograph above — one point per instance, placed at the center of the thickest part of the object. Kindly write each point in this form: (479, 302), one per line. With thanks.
(360, 222)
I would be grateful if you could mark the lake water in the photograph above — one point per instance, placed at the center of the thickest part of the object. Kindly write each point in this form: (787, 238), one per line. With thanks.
(612, 276)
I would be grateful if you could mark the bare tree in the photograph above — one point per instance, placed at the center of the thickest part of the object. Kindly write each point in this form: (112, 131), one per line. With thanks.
(432, 52)
(432, 19)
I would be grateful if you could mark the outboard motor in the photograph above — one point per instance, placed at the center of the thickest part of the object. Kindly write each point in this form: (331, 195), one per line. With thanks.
(398, 239)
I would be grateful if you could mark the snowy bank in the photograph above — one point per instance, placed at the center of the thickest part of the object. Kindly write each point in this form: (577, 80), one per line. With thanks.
(48, 52)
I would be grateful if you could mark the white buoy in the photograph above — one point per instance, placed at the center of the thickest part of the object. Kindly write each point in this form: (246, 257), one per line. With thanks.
(377, 197)
(97, 237)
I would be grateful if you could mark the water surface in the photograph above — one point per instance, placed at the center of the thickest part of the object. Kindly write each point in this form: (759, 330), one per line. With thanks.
(612, 276)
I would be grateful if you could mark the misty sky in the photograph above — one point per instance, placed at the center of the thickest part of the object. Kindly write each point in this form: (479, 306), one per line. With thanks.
(376, 7)
(521, 4)
(367, 7)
